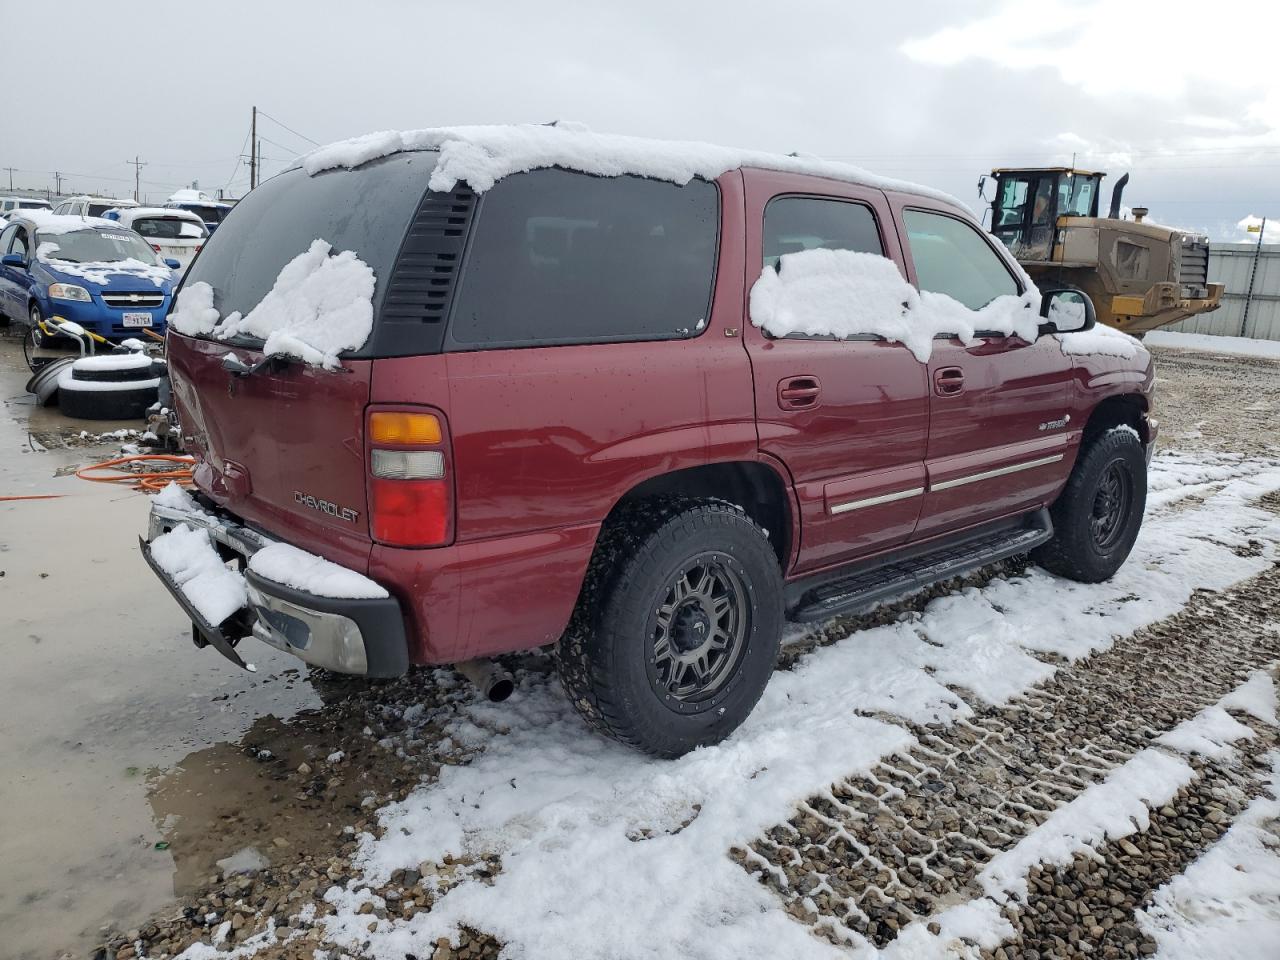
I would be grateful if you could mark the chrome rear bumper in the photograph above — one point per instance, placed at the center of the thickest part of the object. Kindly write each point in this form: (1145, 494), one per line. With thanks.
(355, 636)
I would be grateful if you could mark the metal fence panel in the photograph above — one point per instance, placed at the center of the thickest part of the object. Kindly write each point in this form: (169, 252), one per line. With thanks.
(1232, 264)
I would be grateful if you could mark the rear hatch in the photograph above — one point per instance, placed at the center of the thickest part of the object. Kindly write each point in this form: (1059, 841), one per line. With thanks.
(284, 446)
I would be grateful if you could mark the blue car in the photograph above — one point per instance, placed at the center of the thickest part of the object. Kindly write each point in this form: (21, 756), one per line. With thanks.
(94, 272)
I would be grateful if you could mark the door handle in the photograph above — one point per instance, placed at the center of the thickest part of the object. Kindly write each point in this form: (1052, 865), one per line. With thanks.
(948, 381)
(799, 393)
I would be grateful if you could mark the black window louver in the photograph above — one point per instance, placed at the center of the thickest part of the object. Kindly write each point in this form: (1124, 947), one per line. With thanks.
(421, 287)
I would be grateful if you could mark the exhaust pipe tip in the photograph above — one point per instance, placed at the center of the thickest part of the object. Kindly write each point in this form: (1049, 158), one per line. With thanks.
(493, 682)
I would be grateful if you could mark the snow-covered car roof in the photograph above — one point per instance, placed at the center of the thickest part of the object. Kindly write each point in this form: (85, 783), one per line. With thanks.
(115, 202)
(482, 155)
(195, 196)
(129, 215)
(55, 223)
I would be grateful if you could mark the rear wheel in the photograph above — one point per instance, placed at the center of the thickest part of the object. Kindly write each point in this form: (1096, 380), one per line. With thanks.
(1097, 517)
(677, 629)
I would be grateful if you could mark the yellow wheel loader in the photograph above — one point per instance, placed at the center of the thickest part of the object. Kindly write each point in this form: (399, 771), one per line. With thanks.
(1139, 275)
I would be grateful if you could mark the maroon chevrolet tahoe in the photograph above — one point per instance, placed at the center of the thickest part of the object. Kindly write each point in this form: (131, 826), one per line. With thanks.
(564, 430)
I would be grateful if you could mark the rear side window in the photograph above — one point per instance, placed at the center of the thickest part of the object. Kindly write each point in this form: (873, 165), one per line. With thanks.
(793, 224)
(558, 257)
(98, 209)
(951, 257)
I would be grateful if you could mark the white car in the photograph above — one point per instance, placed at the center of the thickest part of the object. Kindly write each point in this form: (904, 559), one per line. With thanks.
(86, 206)
(9, 204)
(172, 233)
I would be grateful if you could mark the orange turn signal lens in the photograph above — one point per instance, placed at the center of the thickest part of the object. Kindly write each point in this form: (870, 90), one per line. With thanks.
(390, 427)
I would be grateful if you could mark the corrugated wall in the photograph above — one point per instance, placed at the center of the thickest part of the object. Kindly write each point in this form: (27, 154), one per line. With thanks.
(1231, 263)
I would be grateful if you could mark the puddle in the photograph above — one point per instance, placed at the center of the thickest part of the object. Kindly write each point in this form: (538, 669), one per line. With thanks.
(105, 705)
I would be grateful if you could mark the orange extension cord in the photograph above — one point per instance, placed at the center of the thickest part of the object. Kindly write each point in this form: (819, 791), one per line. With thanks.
(149, 481)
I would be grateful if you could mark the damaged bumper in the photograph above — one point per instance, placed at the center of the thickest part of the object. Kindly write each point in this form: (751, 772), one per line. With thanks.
(365, 637)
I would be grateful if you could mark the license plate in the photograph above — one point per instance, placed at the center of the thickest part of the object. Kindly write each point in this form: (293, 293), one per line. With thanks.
(137, 319)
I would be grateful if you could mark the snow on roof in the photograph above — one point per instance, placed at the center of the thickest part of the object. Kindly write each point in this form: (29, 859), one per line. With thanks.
(128, 216)
(50, 224)
(114, 201)
(194, 196)
(482, 155)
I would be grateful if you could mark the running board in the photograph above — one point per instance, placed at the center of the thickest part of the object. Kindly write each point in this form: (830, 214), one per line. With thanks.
(868, 586)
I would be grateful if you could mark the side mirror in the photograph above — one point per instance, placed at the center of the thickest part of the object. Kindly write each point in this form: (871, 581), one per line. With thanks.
(172, 264)
(1066, 310)
(13, 260)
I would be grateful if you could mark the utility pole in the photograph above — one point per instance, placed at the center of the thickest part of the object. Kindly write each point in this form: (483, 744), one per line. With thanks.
(10, 169)
(253, 150)
(1253, 273)
(138, 164)
(57, 183)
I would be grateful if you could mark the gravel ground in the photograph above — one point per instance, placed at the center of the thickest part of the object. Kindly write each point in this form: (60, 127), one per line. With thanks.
(865, 857)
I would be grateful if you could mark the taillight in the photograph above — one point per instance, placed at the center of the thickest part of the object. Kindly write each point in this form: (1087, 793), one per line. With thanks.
(410, 490)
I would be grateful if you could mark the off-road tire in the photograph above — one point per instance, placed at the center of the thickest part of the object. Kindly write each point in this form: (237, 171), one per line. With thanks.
(1074, 552)
(603, 658)
(128, 403)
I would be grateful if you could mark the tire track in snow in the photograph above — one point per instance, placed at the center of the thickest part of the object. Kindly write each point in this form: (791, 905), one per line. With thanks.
(863, 859)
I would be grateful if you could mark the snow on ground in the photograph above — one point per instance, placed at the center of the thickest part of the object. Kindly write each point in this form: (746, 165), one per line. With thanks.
(1116, 808)
(1240, 346)
(1226, 905)
(482, 155)
(320, 305)
(607, 853)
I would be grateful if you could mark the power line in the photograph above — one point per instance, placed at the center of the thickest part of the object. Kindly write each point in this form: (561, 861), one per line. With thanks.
(290, 129)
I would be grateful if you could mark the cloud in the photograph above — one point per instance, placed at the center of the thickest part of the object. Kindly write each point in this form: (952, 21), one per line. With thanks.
(1160, 49)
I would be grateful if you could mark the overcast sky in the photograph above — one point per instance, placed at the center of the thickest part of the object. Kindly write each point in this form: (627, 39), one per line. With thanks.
(932, 91)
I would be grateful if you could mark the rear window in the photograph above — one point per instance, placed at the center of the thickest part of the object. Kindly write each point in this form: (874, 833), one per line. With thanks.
(558, 257)
(32, 205)
(207, 214)
(366, 210)
(168, 228)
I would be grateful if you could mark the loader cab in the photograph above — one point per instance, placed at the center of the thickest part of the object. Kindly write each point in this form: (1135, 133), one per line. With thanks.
(1028, 203)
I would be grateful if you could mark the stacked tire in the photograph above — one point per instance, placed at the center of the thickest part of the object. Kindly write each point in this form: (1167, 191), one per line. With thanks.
(109, 387)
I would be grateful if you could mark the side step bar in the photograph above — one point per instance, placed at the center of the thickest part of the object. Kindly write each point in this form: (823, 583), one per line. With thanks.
(867, 586)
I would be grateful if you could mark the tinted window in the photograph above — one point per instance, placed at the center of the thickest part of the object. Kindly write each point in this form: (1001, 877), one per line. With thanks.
(98, 209)
(951, 257)
(560, 257)
(168, 228)
(366, 210)
(792, 224)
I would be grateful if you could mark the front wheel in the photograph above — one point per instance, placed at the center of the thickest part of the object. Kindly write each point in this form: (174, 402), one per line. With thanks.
(1097, 517)
(678, 626)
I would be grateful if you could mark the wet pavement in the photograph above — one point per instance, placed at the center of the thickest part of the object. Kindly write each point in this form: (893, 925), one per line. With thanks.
(116, 733)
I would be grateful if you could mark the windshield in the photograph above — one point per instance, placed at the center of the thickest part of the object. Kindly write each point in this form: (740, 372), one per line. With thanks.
(168, 228)
(94, 246)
